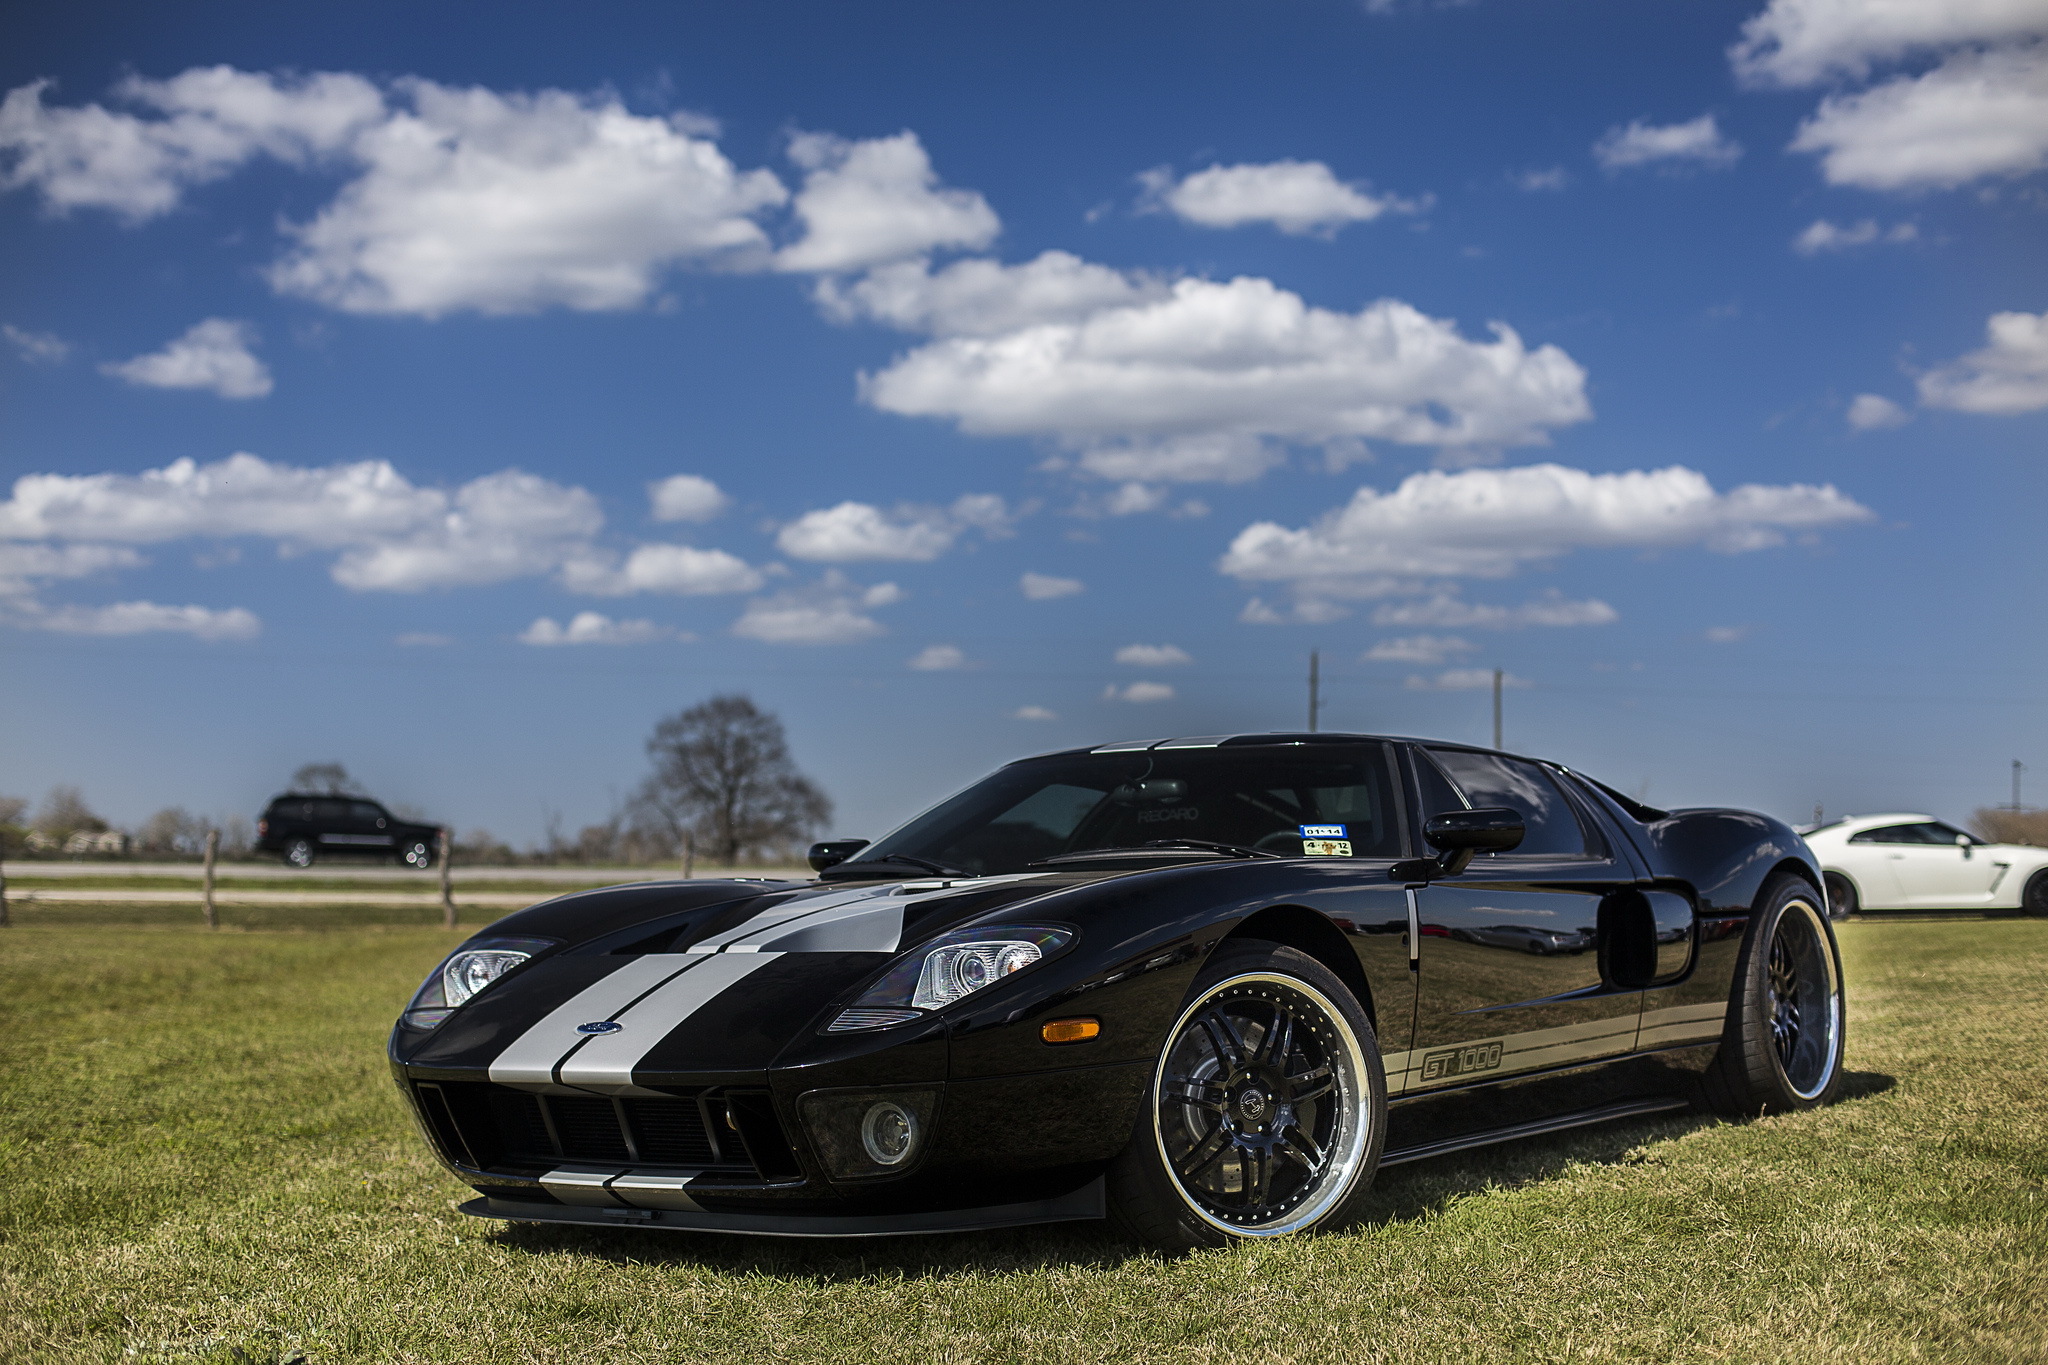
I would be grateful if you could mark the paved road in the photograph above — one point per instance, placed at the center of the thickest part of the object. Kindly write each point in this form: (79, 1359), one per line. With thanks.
(510, 900)
(353, 871)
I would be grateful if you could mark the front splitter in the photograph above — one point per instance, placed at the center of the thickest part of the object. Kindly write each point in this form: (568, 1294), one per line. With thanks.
(1086, 1202)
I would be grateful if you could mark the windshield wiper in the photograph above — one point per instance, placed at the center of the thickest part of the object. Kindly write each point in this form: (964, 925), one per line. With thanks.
(936, 869)
(1204, 845)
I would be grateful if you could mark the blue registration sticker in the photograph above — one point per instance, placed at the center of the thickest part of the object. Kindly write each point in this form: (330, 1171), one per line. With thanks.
(1323, 832)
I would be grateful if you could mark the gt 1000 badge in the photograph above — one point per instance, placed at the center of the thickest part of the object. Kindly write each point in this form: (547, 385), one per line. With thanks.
(1460, 1061)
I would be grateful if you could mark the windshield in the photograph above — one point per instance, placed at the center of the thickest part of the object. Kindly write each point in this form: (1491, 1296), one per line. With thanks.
(1292, 801)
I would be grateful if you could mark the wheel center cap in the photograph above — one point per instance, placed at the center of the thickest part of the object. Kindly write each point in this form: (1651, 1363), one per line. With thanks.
(1252, 1102)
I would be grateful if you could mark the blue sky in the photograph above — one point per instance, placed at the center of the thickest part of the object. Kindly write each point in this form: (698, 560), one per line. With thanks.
(453, 392)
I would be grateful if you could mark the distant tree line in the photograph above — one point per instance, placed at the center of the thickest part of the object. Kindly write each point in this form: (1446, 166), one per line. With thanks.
(2004, 825)
(723, 786)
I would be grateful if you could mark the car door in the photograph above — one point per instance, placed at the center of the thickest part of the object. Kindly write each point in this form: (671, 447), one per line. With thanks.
(370, 824)
(1510, 974)
(1938, 866)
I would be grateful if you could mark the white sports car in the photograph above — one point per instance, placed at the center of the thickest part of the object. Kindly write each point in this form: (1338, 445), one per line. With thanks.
(1915, 862)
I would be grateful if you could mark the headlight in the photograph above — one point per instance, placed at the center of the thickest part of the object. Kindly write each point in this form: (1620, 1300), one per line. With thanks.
(950, 968)
(468, 971)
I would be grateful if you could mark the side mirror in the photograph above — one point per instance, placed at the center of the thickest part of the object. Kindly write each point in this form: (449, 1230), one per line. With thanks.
(1458, 834)
(1963, 843)
(833, 852)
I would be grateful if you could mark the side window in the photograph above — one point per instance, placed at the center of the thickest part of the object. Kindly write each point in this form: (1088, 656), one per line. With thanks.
(1938, 833)
(1436, 791)
(365, 812)
(1553, 825)
(1889, 834)
(327, 812)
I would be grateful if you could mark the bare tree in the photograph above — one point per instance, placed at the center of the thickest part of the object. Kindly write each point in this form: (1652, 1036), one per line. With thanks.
(65, 813)
(324, 779)
(2004, 825)
(171, 830)
(723, 775)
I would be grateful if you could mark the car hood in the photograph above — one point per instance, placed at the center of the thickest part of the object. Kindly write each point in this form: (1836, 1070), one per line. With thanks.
(700, 977)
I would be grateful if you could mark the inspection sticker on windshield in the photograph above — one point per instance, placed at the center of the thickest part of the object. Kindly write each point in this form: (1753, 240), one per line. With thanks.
(1323, 832)
(1325, 841)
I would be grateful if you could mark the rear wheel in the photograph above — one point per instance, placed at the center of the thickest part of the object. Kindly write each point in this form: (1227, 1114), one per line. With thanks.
(1782, 1048)
(1266, 1112)
(299, 852)
(1842, 901)
(2034, 900)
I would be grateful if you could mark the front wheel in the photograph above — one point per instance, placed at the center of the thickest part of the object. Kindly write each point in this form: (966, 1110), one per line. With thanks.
(1782, 1047)
(299, 853)
(2034, 900)
(1267, 1108)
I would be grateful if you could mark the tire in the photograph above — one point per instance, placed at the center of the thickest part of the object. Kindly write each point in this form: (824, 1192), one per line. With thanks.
(1842, 899)
(1234, 1145)
(2034, 900)
(419, 853)
(299, 852)
(1782, 1048)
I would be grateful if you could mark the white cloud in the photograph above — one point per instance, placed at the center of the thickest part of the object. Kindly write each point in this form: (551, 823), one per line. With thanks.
(392, 534)
(591, 628)
(1540, 181)
(1033, 713)
(1490, 523)
(980, 297)
(1463, 680)
(24, 566)
(1298, 197)
(2005, 378)
(829, 612)
(1140, 692)
(685, 497)
(938, 658)
(680, 569)
(1041, 587)
(1724, 635)
(209, 121)
(1305, 611)
(1153, 656)
(1447, 610)
(857, 531)
(213, 354)
(1699, 141)
(1826, 236)
(1804, 42)
(1193, 380)
(38, 348)
(864, 203)
(1978, 114)
(1418, 649)
(1874, 412)
(509, 203)
(138, 618)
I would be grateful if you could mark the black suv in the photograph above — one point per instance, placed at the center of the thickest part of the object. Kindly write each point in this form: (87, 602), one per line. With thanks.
(301, 827)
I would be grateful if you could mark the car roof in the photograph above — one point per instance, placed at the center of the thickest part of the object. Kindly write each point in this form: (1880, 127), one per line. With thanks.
(321, 796)
(1856, 822)
(1247, 739)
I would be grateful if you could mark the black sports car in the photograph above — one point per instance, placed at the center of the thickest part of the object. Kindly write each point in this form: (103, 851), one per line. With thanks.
(1203, 986)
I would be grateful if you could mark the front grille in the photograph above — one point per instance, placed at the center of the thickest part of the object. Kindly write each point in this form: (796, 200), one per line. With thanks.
(492, 1127)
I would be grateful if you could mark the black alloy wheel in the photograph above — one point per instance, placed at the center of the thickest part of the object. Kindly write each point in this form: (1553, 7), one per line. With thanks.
(417, 853)
(1842, 901)
(299, 852)
(1782, 1049)
(1267, 1108)
(2034, 900)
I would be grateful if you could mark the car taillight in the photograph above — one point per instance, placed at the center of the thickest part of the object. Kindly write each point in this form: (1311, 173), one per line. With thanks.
(263, 827)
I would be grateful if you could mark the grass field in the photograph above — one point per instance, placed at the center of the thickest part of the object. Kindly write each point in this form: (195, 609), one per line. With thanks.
(202, 1158)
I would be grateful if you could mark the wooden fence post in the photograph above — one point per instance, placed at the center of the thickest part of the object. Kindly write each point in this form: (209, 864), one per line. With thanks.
(212, 849)
(4, 921)
(447, 883)
(689, 854)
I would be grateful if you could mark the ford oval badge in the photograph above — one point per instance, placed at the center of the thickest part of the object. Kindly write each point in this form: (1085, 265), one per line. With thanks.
(601, 1026)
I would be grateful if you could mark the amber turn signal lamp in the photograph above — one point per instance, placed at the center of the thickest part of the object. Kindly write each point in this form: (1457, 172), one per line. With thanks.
(1070, 1030)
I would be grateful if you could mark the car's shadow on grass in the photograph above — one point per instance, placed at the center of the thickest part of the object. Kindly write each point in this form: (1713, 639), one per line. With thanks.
(1401, 1194)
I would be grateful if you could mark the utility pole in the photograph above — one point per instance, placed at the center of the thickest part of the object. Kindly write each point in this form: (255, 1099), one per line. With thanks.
(1315, 688)
(2017, 768)
(212, 852)
(445, 848)
(1498, 675)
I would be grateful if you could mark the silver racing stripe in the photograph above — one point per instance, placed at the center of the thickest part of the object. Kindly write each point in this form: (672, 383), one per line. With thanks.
(604, 1064)
(529, 1060)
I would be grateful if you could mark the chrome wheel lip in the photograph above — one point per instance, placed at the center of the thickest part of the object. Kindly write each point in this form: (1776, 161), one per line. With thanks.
(1830, 1021)
(1355, 1119)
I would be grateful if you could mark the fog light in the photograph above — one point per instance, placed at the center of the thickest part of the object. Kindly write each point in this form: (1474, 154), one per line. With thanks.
(1071, 1030)
(888, 1133)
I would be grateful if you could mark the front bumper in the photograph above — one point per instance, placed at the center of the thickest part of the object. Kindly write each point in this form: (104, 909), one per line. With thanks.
(1083, 1203)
